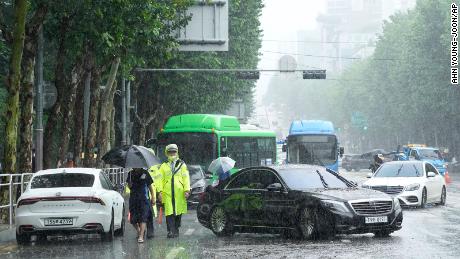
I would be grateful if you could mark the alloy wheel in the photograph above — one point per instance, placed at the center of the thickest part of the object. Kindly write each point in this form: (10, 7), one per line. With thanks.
(307, 223)
(218, 220)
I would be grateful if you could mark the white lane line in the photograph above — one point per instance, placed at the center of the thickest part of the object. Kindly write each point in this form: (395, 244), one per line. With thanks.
(189, 232)
(174, 252)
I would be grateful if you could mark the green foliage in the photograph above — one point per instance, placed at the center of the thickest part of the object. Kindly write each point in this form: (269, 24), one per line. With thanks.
(214, 92)
(403, 89)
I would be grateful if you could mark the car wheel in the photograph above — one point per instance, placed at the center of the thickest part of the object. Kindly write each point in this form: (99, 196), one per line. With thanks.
(424, 196)
(443, 196)
(308, 224)
(220, 223)
(383, 233)
(22, 239)
(121, 230)
(109, 235)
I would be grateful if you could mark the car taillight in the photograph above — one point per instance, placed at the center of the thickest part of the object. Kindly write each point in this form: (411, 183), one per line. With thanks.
(202, 196)
(27, 202)
(91, 200)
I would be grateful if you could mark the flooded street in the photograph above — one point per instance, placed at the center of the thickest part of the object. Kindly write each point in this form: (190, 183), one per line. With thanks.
(426, 233)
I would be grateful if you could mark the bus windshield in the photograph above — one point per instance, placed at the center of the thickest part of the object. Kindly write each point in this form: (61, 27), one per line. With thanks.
(312, 149)
(194, 148)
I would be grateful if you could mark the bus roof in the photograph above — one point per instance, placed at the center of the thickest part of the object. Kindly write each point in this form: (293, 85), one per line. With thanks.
(202, 122)
(223, 124)
(311, 127)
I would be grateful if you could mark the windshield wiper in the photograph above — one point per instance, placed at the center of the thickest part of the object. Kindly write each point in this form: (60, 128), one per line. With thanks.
(322, 179)
(399, 170)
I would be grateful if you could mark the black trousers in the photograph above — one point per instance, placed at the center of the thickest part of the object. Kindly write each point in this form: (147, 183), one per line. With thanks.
(173, 223)
(150, 227)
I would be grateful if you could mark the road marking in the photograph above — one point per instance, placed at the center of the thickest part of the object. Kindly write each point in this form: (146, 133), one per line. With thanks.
(189, 232)
(174, 252)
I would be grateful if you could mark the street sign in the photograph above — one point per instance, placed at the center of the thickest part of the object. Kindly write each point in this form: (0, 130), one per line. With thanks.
(208, 28)
(287, 63)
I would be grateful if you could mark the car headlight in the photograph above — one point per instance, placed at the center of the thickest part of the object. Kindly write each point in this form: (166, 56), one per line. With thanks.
(413, 187)
(335, 206)
(396, 203)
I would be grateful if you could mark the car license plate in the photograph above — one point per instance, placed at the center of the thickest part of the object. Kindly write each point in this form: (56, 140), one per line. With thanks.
(58, 221)
(372, 220)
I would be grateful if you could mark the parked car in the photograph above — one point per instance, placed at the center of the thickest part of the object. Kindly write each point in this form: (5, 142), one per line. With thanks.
(69, 200)
(414, 183)
(363, 161)
(301, 200)
(197, 183)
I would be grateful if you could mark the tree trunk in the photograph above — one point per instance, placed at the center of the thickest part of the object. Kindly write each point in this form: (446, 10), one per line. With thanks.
(13, 87)
(27, 104)
(106, 104)
(90, 160)
(78, 124)
(52, 129)
(68, 110)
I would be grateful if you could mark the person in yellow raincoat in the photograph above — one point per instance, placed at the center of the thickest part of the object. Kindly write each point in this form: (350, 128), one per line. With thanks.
(156, 176)
(175, 189)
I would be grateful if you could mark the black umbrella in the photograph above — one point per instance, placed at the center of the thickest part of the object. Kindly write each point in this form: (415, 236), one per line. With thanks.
(131, 156)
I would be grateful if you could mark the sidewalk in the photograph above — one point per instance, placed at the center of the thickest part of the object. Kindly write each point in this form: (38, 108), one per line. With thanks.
(7, 234)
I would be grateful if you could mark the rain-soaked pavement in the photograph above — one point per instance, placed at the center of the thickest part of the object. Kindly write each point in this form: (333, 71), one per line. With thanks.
(427, 233)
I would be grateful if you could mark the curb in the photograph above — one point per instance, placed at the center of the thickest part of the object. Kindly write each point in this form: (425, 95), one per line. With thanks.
(7, 234)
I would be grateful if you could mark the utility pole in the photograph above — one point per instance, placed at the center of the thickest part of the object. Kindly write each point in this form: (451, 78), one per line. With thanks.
(39, 105)
(123, 112)
(128, 113)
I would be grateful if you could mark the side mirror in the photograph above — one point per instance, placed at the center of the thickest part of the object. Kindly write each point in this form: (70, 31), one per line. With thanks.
(284, 148)
(341, 151)
(430, 174)
(275, 187)
(369, 175)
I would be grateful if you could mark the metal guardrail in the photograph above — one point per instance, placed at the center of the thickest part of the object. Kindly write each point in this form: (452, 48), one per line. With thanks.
(12, 181)
(16, 183)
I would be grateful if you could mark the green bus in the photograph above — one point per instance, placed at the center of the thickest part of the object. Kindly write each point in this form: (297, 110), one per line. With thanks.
(202, 138)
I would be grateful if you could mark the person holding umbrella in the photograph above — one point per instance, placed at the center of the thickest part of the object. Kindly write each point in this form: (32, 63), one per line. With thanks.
(175, 189)
(140, 204)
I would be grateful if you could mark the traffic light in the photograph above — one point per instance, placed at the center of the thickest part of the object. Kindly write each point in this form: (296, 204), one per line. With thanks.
(314, 74)
(248, 75)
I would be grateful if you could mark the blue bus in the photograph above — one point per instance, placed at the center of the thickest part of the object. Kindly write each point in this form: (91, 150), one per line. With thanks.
(313, 142)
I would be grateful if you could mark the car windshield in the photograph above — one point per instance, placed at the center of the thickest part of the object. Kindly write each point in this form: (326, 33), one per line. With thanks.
(430, 153)
(299, 179)
(62, 180)
(312, 149)
(195, 173)
(400, 170)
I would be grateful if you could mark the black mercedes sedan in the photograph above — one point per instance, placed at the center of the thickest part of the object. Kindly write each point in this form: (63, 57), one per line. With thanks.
(303, 201)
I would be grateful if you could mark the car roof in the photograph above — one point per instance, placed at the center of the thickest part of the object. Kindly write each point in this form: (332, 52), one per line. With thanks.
(72, 170)
(297, 166)
(429, 148)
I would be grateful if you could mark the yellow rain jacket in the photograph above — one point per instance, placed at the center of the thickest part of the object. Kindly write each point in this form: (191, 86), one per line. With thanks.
(181, 180)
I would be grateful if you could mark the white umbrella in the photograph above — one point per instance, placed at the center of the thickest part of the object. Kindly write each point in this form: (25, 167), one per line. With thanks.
(221, 165)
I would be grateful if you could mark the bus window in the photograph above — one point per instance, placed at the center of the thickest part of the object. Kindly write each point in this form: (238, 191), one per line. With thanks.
(194, 148)
(251, 151)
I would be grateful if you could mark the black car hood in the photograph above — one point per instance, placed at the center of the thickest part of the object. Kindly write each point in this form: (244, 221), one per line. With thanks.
(347, 194)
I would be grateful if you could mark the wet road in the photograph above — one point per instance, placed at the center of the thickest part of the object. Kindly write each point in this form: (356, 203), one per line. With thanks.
(427, 233)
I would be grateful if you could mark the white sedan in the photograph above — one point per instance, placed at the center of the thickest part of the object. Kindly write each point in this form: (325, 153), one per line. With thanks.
(69, 200)
(415, 183)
